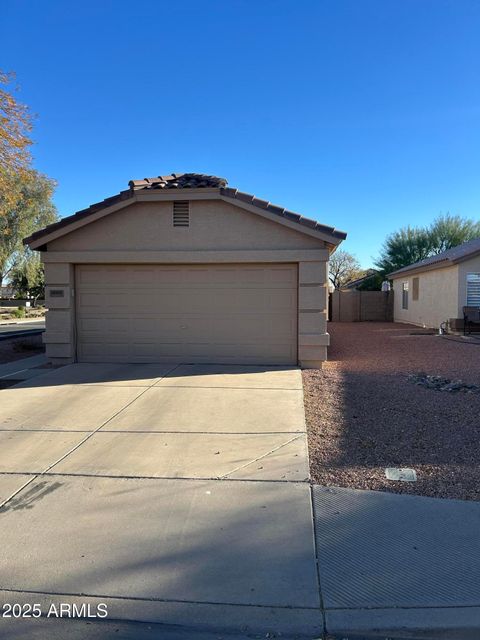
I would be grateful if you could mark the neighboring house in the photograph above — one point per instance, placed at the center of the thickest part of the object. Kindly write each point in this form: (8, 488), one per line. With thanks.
(6, 291)
(354, 284)
(182, 268)
(436, 289)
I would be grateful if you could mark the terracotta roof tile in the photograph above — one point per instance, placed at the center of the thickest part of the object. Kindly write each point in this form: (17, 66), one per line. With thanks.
(229, 192)
(244, 197)
(273, 208)
(295, 217)
(263, 204)
(307, 222)
(179, 181)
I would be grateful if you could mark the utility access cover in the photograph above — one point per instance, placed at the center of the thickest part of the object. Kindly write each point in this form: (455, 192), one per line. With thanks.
(402, 474)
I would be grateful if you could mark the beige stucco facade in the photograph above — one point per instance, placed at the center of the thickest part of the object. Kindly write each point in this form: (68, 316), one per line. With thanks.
(140, 232)
(442, 293)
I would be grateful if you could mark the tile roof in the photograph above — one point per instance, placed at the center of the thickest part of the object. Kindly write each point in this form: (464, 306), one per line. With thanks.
(179, 181)
(187, 181)
(450, 256)
(234, 194)
(79, 215)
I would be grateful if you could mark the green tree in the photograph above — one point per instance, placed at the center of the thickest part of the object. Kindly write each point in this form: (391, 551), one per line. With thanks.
(403, 247)
(412, 244)
(32, 209)
(28, 277)
(449, 231)
(372, 283)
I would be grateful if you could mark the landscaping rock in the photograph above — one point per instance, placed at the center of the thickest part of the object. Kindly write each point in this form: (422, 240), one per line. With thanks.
(442, 384)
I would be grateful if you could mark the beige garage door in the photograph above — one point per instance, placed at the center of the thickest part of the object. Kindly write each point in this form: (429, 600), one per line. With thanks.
(180, 313)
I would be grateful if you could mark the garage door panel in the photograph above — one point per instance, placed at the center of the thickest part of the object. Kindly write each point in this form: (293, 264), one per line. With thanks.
(142, 277)
(106, 349)
(103, 300)
(279, 301)
(198, 313)
(149, 326)
(102, 325)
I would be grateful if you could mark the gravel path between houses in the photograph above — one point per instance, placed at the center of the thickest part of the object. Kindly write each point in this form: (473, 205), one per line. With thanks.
(364, 413)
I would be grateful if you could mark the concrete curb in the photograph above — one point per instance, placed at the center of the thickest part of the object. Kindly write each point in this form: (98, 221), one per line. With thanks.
(25, 333)
(8, 323)
(225, 618)
(451, 623)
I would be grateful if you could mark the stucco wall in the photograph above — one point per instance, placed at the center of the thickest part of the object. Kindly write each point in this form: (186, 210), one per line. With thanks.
(218, 232)
(438, 297)
(214, 224)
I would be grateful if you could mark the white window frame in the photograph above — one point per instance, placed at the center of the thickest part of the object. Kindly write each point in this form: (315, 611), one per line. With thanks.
(472, 290)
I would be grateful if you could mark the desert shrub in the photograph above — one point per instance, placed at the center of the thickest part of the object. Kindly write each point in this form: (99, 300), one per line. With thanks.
(19, 312)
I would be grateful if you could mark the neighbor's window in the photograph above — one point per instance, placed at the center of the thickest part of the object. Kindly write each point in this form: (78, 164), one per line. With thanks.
(405, 295)
(473, 289)
(415, 288)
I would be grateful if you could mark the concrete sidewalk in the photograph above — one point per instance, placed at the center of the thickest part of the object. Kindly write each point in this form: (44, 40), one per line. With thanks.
(398, 566)
(24, 368)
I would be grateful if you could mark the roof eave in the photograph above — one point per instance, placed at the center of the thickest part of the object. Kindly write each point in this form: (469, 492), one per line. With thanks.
(474, 254)
(440, 264)
(79, 219)
(247, 201)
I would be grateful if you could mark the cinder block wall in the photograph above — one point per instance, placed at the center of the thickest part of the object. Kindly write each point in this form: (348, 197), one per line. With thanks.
(362, 306)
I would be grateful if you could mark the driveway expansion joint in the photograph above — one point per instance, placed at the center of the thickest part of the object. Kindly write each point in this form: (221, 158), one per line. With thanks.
(203, 388)
(247, 464)
(15, 493)
(160, 478)
(206, 433)
(91, 433)
(317, 563)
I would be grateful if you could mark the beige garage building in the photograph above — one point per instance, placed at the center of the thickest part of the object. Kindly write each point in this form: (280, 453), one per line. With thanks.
(182, 268)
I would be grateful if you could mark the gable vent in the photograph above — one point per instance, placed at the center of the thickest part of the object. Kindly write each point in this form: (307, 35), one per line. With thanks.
(181, 213)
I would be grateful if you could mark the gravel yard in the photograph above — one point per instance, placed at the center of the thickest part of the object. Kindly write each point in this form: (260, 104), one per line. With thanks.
(23, 347)
(365, 411)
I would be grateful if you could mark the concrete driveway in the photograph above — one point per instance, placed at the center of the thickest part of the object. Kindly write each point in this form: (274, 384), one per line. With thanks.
(174, 494)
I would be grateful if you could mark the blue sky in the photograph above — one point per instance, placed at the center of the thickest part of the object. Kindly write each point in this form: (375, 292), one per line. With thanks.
(363, 114)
